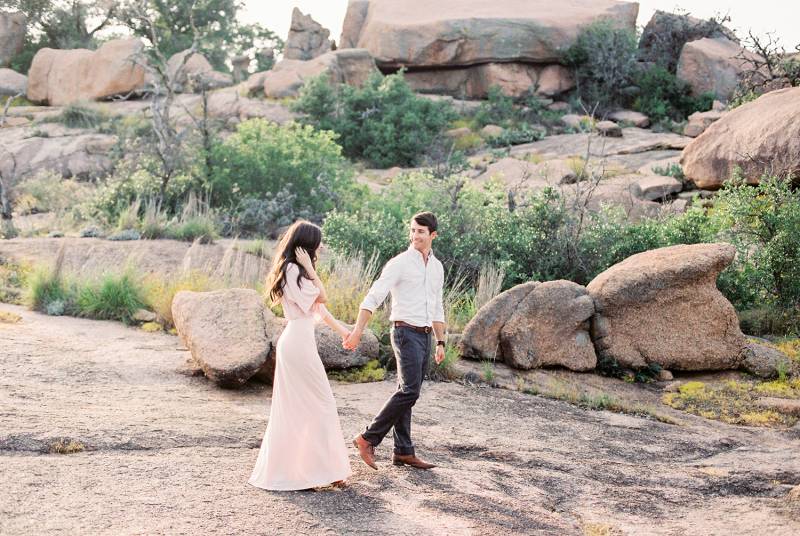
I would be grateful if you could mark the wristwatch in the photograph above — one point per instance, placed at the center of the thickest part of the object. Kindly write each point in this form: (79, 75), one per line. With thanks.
(439, 343)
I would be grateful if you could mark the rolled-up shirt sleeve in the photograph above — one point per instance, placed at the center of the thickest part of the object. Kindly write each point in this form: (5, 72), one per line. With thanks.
(381, 287)
(304, 294)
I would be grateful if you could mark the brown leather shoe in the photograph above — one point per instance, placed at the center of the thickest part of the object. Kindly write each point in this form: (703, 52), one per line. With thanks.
(366, 450)
(412, 460)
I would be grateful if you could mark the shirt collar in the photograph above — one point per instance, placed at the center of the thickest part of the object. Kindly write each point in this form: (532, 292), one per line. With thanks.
(412, 248)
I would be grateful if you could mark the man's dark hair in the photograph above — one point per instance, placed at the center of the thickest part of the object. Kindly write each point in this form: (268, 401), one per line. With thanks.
(427, 219)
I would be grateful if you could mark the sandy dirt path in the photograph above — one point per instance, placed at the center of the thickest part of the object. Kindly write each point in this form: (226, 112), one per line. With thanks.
(168, 453)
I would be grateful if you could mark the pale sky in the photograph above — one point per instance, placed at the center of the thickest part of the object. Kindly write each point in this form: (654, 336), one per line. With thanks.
(779, 16)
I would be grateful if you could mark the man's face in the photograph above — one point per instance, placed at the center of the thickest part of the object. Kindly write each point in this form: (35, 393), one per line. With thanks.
(420, 237)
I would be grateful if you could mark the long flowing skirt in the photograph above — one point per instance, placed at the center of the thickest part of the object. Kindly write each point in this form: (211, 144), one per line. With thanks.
(303, 445)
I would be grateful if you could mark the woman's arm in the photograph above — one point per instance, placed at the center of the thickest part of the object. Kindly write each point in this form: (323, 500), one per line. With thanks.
(332, 323)
(304, 260)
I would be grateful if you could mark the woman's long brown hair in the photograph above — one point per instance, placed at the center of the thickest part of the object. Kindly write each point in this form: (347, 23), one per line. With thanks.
(301, 234)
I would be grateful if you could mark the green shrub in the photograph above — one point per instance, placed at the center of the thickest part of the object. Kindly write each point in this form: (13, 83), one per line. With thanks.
(604, 61)
(79, 116)
(263, 217)
(263, 159)
(112, 297)
(383, 122)
(663, 96)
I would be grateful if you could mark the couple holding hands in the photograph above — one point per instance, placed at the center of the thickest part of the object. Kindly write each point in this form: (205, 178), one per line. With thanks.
(303, 446)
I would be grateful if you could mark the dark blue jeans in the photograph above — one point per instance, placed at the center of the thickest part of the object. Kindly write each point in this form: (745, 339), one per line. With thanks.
(411, 351)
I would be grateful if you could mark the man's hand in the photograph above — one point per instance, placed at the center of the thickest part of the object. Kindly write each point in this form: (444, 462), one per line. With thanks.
(352, 340)
(439, 357)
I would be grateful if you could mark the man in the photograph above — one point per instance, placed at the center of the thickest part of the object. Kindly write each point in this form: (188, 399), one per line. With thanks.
(415, 279)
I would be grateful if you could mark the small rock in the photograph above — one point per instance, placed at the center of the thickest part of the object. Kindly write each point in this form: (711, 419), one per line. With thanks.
(718, 106)
(794, 494)
(664, 375)
(458, 132)
(55, 234)
(144, 316)
(655, 187)
(609, 129)
(764, 361)
(578, 122)
(558, 107)
(491, 131)
(699, 122)
(636, 119)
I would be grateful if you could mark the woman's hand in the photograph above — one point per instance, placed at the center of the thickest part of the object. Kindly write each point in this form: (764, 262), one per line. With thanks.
(304, 260)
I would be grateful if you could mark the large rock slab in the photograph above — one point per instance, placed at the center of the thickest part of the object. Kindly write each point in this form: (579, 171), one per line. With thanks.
(52, 147)
(12, 36)
(351, 66)
(762, 136)
(417, 33)
(12, 83)
(711, 65)
(655, 187)
(307, 38)
(229, 332)
(534, 325)
(662, 306)
(61, 77)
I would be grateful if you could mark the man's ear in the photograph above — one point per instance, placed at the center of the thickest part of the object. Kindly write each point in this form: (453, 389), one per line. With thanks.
(433, 235)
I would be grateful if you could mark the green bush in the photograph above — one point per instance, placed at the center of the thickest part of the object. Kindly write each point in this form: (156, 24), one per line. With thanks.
(113, 297)
(604, 61)
(262, 159)
(663, 96)
(383, 122)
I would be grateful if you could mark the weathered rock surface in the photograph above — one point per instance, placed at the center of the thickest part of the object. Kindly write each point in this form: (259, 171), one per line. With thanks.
(534, 325)
(70, 152)
(711, 65)
(609, 129)
(229, 332)
(307, 38)
(762, 136)
(60, 77)
(349, 66)
(766, 362)
(666, 33)
(549, 327)
(195, 72)
(12, 35)
(699, 122)
(662, 306)
(12, 83)
(416, 33)
(514, 80)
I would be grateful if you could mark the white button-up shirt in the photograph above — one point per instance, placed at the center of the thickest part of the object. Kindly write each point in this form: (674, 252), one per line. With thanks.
(416, 289)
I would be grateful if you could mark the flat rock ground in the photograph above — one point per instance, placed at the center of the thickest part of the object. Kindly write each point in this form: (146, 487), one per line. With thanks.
(168, 453)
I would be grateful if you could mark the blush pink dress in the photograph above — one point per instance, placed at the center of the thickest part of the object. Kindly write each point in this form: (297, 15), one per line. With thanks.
(303, 446)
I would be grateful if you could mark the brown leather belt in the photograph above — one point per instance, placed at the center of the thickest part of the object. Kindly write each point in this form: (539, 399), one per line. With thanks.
(400, 323)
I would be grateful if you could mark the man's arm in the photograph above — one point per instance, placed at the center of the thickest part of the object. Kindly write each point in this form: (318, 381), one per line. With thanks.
(374, 298)
(351, 342)
(439, 329)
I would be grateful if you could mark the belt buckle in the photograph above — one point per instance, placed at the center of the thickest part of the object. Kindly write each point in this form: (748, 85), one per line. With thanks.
(427, 329)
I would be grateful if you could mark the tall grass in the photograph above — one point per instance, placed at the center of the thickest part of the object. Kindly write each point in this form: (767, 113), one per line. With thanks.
(111, 297)
(347, 279)
(196, 222)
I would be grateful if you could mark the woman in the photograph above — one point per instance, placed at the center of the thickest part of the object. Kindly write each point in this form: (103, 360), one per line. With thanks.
(303, 446)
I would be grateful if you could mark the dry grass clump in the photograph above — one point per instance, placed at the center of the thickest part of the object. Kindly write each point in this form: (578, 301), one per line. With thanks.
(735, 402)
(7, 317)
(66, 446)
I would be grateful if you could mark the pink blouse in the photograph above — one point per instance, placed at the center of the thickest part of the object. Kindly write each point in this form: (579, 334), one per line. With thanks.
(299, 301)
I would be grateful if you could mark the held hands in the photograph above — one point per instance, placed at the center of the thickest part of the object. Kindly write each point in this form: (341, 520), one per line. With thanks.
(304, 260)
(439, 357)
(352, 340)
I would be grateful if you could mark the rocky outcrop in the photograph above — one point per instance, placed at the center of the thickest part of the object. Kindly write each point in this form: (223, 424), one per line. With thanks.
(762, 136)
(195, 72)
(351, 66)
(333, 356)
(307, 38)
(229, 332)
(12, 36)
(60, 77)
(662, 306)
(452, 46)
(12, 83)
(712, 65)
(534, 325)
(666, 33)
(630, 117)
(416, 33)
(53, 147)
(656, 187)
